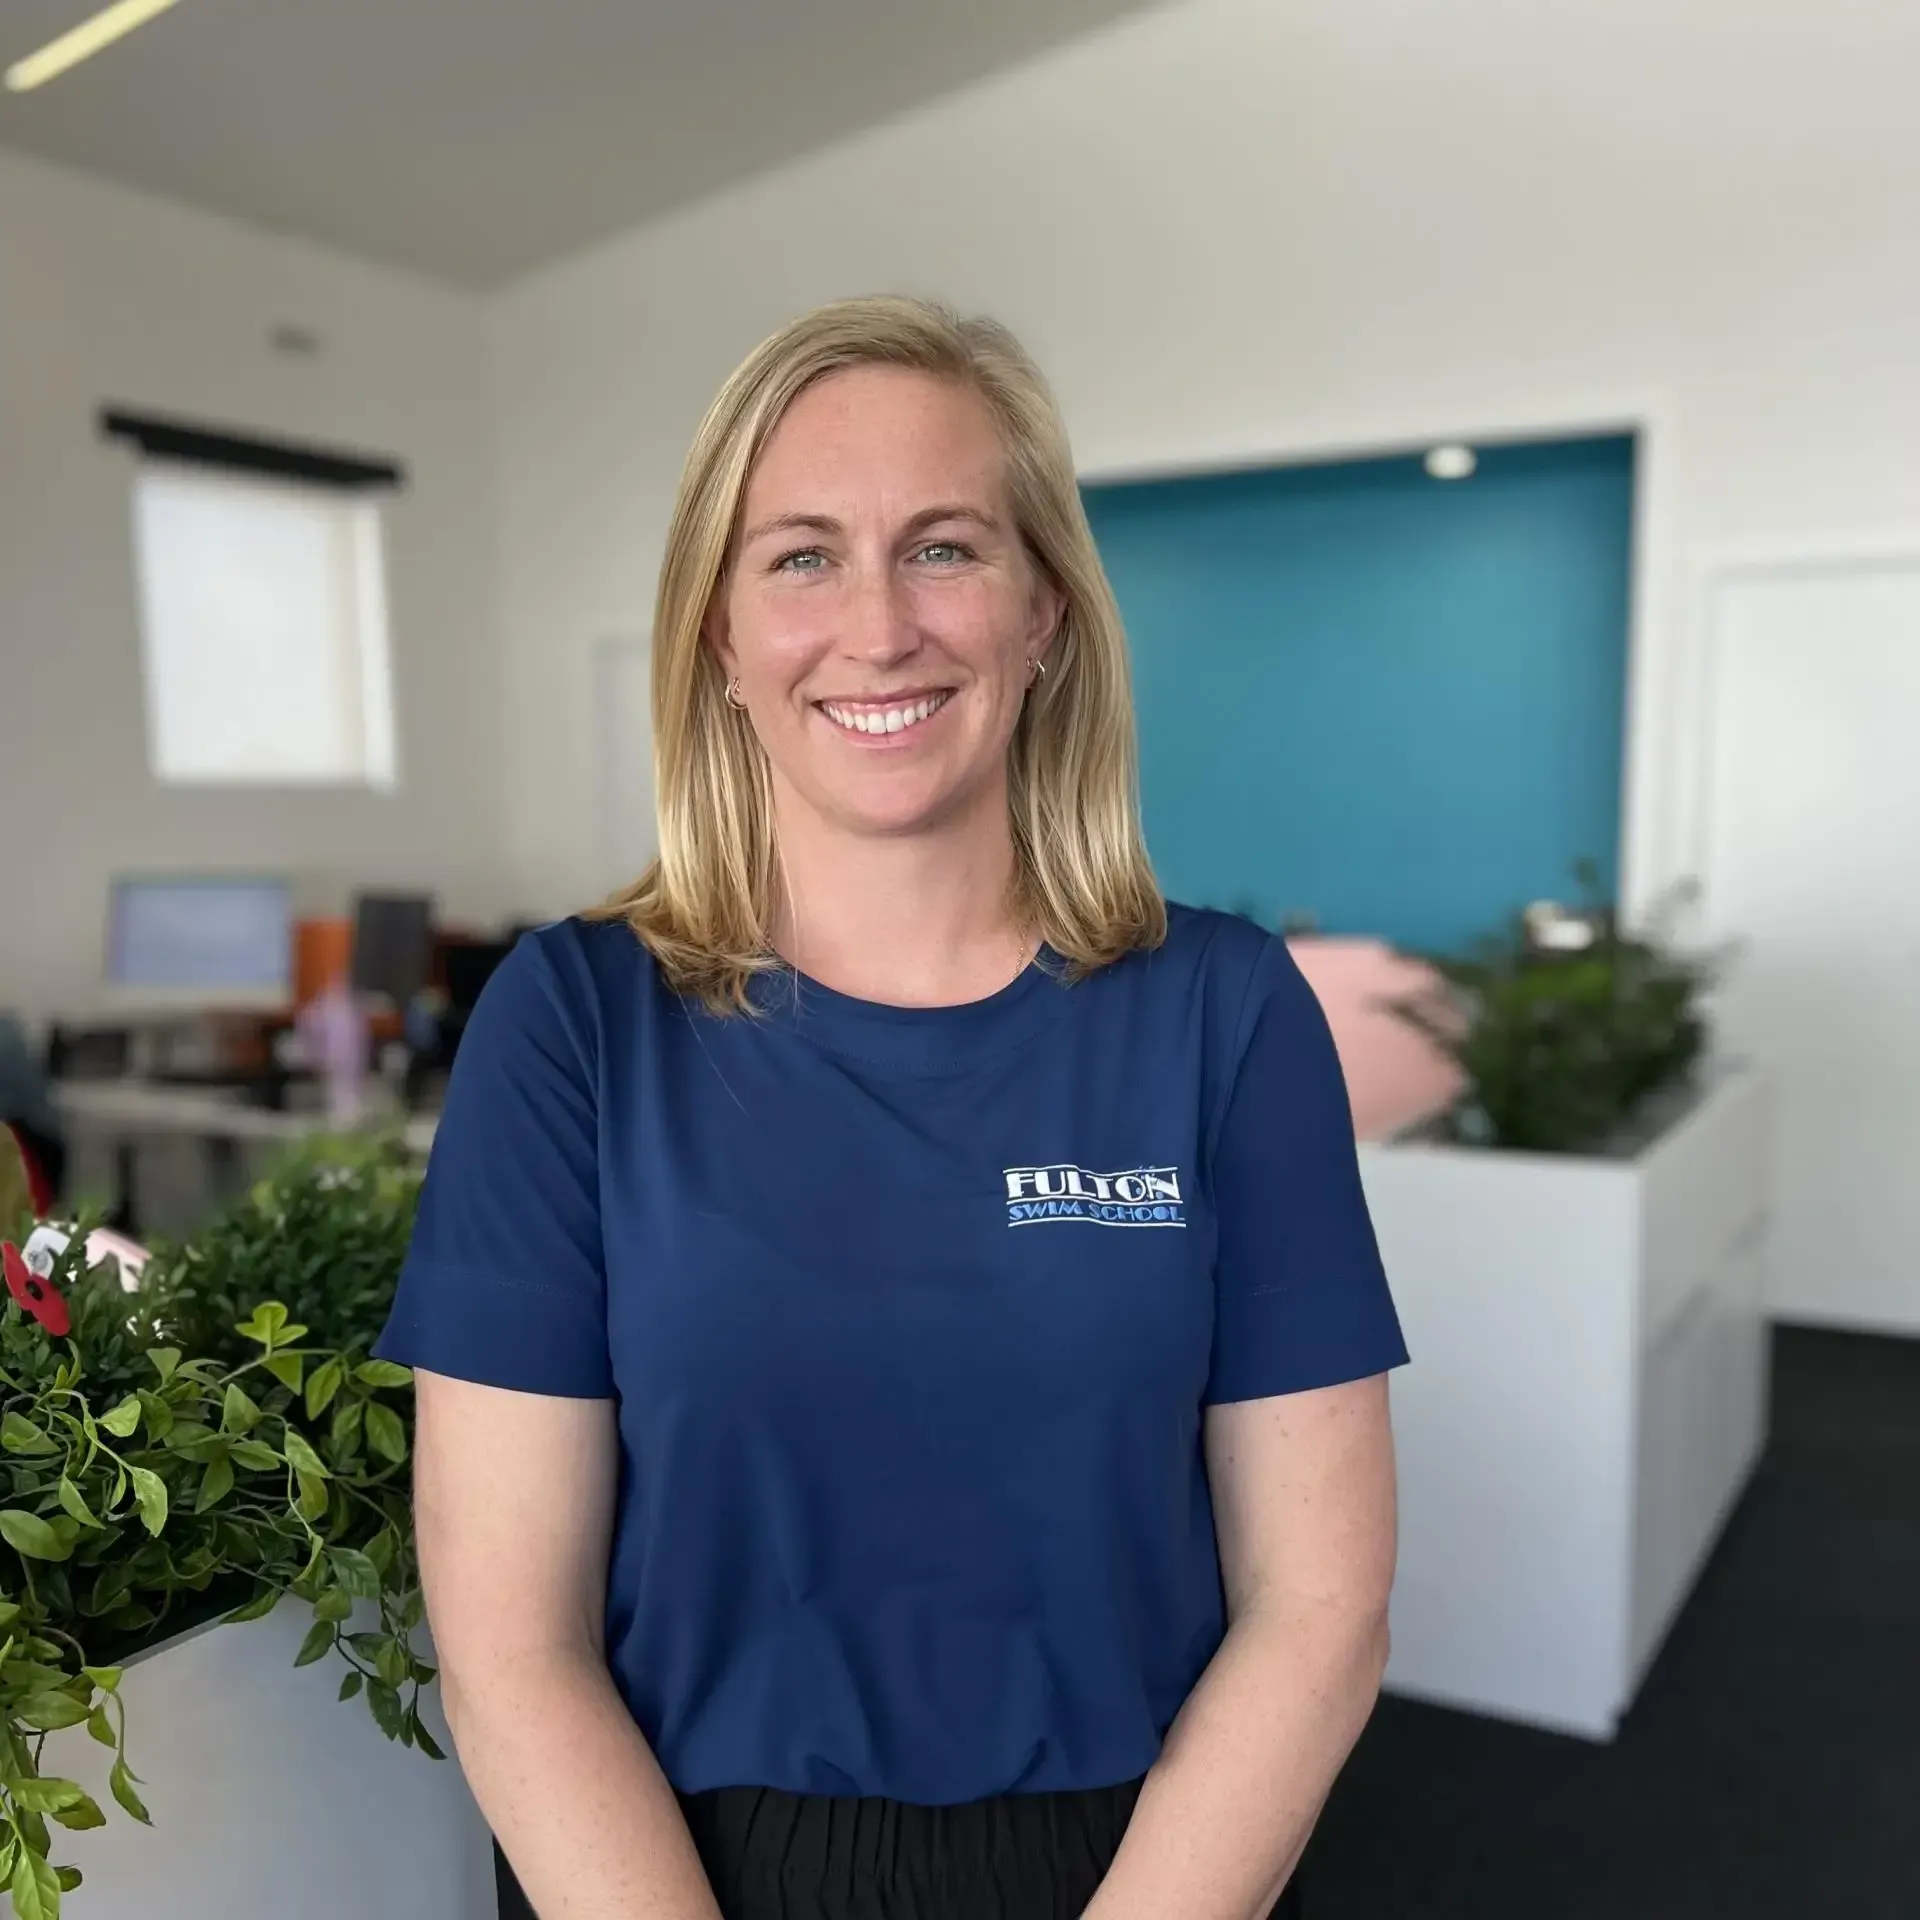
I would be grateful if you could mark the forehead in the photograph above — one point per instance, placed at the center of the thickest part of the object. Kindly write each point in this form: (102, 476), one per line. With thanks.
(878, 436)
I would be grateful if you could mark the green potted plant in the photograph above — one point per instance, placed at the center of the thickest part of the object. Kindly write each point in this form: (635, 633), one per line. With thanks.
(197, 1449)
(1565, 1025)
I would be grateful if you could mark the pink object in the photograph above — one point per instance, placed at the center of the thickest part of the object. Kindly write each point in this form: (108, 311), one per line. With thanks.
(333, 1032)
(1395, 1077)
(104, 1243)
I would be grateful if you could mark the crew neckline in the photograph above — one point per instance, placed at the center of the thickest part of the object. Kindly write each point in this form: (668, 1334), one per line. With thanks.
(921, 1039)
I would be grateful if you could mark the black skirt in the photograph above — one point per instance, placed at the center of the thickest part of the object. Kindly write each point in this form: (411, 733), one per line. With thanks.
(1021, 1856)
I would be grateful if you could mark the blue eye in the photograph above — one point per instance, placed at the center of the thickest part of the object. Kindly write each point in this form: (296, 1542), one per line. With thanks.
(945, 553)
(803, 560)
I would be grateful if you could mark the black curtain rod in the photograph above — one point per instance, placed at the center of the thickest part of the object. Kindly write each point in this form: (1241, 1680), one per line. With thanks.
(167, 439)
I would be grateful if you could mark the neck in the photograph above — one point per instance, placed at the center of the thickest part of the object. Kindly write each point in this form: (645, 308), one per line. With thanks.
(916, 919)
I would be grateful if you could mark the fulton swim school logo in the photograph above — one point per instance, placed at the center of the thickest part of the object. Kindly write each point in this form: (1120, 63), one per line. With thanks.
(1140, 1197)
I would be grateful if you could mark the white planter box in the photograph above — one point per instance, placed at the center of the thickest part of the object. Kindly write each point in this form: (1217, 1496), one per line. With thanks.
(268, 1796)
(1586, 1400)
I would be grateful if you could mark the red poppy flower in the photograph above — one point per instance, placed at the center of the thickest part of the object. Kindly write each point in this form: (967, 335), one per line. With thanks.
(36, 1296)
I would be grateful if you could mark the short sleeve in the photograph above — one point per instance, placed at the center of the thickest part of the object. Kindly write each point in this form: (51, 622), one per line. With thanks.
(1301, 1299)
(505, 1281)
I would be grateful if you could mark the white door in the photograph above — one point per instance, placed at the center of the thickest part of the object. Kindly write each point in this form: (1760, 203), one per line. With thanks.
(1812, 860)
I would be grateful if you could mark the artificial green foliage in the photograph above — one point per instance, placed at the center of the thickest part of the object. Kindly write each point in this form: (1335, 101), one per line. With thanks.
(196, 1448)
(325, 1235)
(1565, 1026)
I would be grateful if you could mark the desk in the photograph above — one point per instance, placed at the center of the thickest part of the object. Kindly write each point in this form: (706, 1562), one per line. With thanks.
(124, 1111)
(127, 1107)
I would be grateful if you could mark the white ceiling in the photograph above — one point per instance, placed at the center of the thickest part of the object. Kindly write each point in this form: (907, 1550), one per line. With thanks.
(476, 139)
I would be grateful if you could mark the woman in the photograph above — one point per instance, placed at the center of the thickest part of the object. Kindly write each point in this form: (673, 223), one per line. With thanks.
(902, 1426)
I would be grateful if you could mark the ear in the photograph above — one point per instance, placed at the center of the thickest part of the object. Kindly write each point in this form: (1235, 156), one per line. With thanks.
(1048, 609)
(716, 633)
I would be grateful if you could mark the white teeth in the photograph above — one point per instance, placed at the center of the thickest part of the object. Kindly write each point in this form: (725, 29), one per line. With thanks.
(886, 720)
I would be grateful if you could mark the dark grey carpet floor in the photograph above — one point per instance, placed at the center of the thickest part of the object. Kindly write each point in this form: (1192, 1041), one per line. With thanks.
(1770, 1767)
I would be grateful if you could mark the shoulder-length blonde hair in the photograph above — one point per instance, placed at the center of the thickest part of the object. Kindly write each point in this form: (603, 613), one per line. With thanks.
(705, 905)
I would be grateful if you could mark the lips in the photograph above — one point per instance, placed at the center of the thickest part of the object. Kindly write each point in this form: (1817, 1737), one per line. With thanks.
(885, 717)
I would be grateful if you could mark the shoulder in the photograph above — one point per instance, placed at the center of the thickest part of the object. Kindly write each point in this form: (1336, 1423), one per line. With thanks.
(1227, 979)
(1220, 956)
(1226, 946)
(571, 974)
(582, 951)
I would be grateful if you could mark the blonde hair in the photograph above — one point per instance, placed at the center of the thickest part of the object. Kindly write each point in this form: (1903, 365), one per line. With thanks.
(705, 905)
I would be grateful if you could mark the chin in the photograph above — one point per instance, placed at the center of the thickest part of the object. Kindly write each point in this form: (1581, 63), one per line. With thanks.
(892, 822)
(892, 809)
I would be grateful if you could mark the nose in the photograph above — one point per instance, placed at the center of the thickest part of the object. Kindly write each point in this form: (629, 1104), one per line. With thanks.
(876, 617)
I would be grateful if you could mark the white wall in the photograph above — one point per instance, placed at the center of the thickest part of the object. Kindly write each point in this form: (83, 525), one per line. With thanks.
(1236, 229)
(107, 295)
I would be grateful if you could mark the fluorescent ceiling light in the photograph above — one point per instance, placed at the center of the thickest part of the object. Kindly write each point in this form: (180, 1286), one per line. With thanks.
(82, 42)
(1451, 463)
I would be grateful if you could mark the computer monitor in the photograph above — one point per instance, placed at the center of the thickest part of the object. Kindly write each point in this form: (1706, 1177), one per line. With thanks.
(392, 944)
(469, 966)
(200, 941)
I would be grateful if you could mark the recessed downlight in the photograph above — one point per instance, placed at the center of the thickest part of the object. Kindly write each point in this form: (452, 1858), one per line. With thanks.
(1452, 462)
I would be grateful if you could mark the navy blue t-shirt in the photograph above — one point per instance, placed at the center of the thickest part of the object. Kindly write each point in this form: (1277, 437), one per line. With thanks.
(911, 1315)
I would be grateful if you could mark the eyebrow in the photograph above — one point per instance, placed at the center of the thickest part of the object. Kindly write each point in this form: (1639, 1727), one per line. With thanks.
(791, 523)
(826, 523)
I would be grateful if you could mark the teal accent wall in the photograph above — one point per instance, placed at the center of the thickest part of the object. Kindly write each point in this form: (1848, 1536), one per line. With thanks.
(1391, 702)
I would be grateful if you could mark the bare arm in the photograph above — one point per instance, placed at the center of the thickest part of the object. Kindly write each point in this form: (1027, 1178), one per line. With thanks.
(513, 1494)
(1304, 1507)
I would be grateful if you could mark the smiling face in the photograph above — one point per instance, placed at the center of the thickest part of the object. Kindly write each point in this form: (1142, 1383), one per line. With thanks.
(881, 612)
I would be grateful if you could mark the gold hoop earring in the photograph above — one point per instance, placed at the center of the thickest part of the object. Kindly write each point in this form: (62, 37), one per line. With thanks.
(734, 697)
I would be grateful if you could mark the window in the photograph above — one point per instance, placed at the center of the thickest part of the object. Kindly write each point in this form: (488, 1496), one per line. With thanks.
(263, 621)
